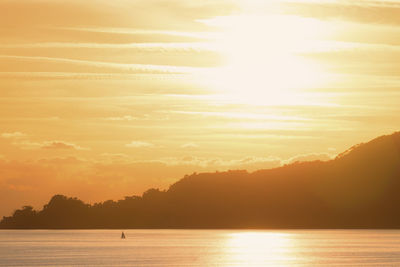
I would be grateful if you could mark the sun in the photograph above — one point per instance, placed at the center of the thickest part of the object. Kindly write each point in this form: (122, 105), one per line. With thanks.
(263, 56)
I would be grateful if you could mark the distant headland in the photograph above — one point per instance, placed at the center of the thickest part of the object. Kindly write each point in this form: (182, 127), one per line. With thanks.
(357, 189)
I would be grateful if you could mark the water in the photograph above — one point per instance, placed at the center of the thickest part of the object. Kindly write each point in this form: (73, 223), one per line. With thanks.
(199, 248)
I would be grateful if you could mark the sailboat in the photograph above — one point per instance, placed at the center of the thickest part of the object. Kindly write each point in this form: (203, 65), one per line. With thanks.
(123, 235)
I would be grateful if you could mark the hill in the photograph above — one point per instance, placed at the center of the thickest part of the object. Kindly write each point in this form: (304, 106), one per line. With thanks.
(358, 189)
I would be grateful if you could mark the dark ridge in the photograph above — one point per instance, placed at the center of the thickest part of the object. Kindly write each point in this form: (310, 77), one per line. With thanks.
(358, 189)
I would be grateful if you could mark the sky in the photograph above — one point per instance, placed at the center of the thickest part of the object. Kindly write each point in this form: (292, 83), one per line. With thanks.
(105, 99)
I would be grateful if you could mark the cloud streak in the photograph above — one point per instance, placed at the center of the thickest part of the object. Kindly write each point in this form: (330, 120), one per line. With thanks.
(130, 68)
(139, 144)
(136, 47)
(48, 145)
(358, 10)
(13, 135)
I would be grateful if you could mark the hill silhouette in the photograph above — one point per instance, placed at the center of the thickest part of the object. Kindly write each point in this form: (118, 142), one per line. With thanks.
(357, 189)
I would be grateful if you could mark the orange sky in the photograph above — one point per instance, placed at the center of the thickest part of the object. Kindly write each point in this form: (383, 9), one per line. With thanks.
(103, 99)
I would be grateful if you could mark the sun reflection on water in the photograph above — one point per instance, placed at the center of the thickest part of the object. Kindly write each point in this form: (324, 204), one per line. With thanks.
(260, 249)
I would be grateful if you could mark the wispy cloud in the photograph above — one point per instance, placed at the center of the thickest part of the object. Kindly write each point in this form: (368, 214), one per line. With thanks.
(13, 135)
(138, 144)
(198, 35)
(242, 115)
(138, 47)
(374, 11)
(128, 118)
(376, 3)
(190, 145)
(75, 75)
(130, 68)
(51, 145)
(115, 155)
(61, 145)
(309, 157)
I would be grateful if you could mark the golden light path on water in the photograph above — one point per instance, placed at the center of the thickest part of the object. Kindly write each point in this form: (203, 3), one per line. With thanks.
(260, 249)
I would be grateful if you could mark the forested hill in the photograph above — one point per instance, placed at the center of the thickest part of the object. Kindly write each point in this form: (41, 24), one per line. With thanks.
(358, 189)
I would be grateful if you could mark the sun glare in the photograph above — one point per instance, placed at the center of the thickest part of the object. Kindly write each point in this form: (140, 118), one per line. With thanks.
(262, 56)
(260, 249)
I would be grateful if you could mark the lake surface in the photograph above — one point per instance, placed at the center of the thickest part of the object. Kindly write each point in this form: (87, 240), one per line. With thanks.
(199, 248)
